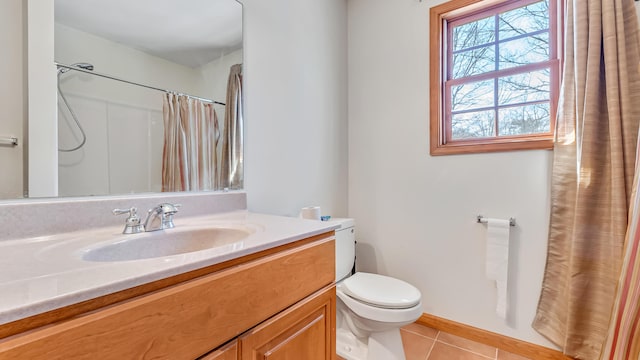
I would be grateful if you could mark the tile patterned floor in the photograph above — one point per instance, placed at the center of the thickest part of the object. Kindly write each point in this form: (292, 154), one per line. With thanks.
(423, 343)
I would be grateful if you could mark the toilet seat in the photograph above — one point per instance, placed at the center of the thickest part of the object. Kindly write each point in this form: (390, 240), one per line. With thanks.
(377, 313)
(380, 291)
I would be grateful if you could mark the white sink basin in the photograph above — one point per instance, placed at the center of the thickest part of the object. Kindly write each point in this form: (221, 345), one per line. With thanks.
(165, 243)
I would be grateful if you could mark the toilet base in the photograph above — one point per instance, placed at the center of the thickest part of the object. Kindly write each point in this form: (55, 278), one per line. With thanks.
(385, 345)
(349, 346)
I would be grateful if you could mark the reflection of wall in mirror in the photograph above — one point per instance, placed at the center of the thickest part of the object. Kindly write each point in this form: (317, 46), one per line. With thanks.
(129, 158)
(12, 97)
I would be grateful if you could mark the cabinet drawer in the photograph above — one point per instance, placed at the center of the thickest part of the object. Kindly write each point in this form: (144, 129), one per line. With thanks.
(186, 320)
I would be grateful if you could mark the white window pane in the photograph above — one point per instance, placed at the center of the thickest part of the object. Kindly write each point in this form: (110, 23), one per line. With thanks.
(526, 87)
(473, 95)
(524, 20)
(474, 62)
(522, 120)
(527, 50)
(475, 33)
(478, 124)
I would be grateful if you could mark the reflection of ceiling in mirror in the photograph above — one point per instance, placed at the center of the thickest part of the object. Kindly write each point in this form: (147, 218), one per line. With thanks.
(188, 32)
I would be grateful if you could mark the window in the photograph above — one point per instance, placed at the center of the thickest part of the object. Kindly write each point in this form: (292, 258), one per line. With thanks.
(495, 79)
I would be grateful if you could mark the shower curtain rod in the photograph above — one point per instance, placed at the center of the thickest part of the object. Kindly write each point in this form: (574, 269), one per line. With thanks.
(134, 83)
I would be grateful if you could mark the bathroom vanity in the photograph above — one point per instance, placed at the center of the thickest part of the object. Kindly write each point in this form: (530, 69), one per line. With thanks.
(264, 300)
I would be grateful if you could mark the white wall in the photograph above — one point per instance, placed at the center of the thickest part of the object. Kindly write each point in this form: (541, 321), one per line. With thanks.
(215, 75)
(122, 153)
(415, 213)
(295, 105)
(12, 95)
(108, 57)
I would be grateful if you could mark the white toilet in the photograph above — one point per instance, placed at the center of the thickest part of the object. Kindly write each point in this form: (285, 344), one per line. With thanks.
(370, 308)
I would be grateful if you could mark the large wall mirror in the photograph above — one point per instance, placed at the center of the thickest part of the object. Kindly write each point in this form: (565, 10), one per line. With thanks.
(148, 96)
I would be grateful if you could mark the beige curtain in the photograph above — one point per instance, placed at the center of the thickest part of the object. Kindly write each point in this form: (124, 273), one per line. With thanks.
(231, 165)
(189, 159)
(593, 169)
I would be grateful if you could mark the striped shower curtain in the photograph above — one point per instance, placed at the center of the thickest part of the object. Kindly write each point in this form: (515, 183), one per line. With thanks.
(623, 338)
(190, 154)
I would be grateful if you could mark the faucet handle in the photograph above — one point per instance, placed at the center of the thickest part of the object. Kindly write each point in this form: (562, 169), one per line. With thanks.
(132, 224)
(169, 209)
(131, 211)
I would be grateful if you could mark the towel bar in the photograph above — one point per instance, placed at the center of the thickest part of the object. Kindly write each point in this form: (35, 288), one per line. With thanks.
(481, 219)
(9, 140)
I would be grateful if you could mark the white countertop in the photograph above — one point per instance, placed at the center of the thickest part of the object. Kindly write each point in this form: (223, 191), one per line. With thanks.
(45, 273)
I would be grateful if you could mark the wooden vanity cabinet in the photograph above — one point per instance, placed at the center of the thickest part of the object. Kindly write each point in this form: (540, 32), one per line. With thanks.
(303, 331)
(277, 306)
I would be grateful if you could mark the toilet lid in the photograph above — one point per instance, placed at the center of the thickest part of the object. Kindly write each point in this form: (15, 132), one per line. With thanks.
(381, 291)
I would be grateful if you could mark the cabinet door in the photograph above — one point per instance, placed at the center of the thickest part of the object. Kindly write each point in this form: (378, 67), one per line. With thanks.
(304, 331)
(226, 352)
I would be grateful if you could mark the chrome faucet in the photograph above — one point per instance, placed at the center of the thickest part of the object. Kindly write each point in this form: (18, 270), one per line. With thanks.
(132, 224)
(161, 217)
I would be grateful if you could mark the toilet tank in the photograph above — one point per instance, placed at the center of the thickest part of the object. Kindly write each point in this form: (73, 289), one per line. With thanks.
(345, 247)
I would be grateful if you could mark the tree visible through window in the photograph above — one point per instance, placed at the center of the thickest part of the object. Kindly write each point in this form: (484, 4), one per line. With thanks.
(498, 80)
